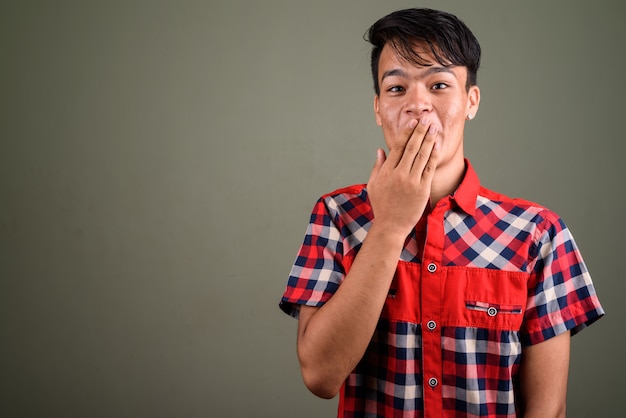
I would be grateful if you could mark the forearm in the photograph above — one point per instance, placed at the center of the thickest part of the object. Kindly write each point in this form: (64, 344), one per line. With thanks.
(544, 414)
(334, 338)
(543, 378)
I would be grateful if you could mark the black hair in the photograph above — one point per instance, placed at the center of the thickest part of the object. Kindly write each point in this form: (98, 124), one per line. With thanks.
(448, 38)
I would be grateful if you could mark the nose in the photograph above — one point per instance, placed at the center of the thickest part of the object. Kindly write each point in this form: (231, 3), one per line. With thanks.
(417, 101)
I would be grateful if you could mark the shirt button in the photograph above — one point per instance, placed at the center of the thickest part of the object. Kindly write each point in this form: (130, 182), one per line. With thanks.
(433, 382)
(432, 267)
(431, 325)
(492, 311)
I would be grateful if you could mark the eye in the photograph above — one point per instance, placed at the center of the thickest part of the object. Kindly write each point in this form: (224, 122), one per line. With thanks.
(395, 89)
(439, 86)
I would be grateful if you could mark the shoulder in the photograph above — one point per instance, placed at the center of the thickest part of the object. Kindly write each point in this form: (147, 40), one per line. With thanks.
(349, 192)
(347, 207)
(501, 198)
(346, 199)
(518, 208)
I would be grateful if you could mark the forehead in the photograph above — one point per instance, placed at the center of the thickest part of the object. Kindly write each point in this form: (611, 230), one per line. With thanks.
(422, 60)
(420, 55)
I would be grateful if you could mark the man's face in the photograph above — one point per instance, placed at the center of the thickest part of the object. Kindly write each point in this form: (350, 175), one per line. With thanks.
(408, 91)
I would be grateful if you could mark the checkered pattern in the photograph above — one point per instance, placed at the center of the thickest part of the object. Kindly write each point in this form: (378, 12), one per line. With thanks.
(494, 275)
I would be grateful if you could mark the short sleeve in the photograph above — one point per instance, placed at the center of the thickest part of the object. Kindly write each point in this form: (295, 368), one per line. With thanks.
(318, 269)
(561, 295)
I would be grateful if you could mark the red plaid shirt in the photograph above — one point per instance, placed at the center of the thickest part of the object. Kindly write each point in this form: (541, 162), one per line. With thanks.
(481, 276)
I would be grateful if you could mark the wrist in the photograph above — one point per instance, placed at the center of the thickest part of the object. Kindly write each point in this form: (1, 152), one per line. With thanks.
(390, 235)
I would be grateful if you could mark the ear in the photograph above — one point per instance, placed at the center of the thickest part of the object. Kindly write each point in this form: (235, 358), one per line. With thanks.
(377, 111)
(473, 101)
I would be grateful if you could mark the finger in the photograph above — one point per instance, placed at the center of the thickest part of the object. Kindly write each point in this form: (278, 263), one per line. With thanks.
(399, 143)
(414, 144)
(424, 153)
(428, 173)
(380, 159)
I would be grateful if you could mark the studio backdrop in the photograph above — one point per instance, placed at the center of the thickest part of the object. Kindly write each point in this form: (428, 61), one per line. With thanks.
(159, 161)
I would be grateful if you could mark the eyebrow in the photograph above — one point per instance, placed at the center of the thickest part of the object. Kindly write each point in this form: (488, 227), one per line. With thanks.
(401, 73)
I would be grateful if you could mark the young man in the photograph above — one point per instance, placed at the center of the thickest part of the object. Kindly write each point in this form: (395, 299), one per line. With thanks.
(423, 293)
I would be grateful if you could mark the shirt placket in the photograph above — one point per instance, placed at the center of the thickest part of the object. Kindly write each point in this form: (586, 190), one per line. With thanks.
(431, 302)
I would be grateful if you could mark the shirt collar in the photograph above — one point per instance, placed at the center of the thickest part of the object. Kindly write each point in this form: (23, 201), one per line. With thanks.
(466, 194)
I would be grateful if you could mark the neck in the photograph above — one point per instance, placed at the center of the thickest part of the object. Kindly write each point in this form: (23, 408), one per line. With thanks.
(447, 179)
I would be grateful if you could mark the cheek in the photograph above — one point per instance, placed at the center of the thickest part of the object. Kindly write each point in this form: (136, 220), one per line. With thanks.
(390, 122)
(387, 113)
(391, 118)
(453, 116)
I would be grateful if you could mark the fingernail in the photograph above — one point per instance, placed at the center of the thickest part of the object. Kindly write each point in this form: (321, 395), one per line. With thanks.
(432, 130)
(425, 121)
(413, 123)
(437, 145)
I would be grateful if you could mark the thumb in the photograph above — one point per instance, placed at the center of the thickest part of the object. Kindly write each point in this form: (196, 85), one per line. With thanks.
(380, 159)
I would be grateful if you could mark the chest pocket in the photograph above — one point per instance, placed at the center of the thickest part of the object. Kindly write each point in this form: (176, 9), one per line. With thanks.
(484, 298)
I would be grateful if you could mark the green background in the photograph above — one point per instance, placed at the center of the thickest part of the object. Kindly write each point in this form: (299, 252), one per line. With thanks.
(159, 161)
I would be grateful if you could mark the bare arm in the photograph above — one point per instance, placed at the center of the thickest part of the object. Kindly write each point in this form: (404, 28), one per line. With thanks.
(333, 338)
(543, 377)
